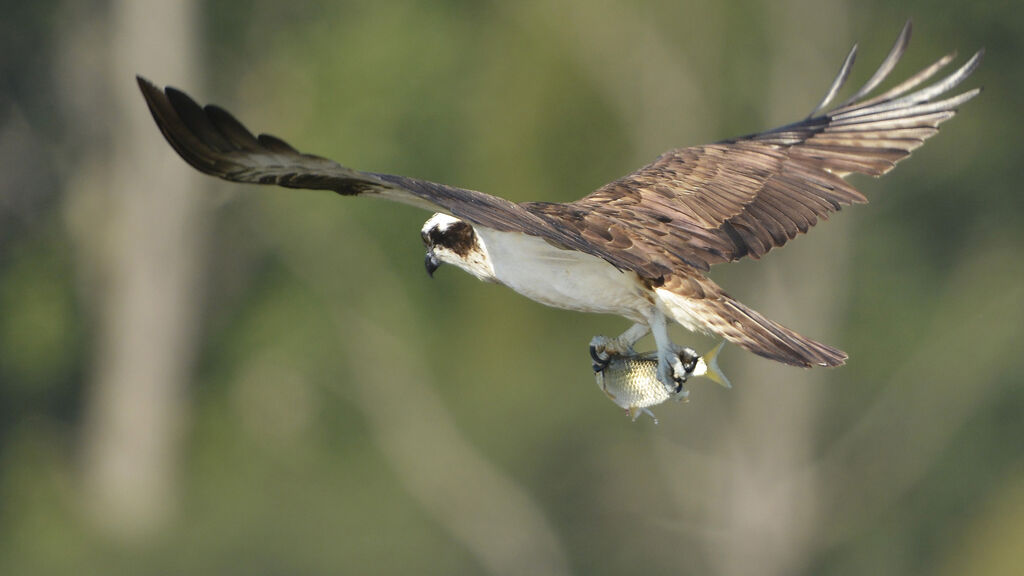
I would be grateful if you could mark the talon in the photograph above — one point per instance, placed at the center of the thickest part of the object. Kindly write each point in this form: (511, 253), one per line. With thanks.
(667, 377)
(606, 347)
(683, 395)
(600, 363)
(679, 372)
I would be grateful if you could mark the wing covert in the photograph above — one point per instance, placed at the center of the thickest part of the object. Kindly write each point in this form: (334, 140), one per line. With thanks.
(704, 205)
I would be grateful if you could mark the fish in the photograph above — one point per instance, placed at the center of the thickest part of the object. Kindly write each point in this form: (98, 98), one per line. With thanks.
(631, 381)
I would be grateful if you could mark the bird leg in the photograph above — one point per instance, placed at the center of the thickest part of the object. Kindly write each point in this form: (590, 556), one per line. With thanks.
(602, 348)
(672, 370)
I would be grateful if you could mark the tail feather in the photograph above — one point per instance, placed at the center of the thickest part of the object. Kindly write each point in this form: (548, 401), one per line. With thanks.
(717, 312)
(749, 329)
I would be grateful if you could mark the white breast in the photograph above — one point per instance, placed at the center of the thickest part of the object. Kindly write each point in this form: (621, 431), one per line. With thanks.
(564, 278)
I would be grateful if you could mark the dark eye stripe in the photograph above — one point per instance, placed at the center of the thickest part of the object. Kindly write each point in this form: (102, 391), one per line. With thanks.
(459, 237)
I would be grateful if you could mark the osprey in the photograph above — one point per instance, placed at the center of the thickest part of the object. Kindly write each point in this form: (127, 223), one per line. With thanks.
(641, 246)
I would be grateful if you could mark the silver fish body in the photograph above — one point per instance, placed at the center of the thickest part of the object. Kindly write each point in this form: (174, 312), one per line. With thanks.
(631, 381)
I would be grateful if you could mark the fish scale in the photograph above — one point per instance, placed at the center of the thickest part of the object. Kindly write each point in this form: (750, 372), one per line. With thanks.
(631, 381)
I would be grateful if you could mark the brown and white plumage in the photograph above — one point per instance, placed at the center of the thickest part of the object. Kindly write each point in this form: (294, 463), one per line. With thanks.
(660, 228)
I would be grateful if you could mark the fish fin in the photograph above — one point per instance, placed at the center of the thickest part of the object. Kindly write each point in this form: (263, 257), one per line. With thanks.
(712, 371)
(634, 412)
(651, 414)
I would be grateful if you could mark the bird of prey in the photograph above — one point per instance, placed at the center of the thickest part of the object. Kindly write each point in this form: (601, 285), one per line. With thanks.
(641, 246)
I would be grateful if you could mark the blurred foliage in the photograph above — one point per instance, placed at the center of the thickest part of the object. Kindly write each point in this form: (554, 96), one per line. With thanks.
(283, 470)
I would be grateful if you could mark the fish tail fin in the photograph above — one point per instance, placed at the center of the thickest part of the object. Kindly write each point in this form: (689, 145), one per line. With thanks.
(711, 369)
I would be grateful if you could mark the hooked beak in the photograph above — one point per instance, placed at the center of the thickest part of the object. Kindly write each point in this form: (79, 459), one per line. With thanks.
(431, 262)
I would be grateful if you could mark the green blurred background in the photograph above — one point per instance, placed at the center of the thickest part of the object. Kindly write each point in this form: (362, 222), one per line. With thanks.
(205, 378)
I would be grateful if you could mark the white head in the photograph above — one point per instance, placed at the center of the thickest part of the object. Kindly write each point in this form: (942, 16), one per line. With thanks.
(452, 241)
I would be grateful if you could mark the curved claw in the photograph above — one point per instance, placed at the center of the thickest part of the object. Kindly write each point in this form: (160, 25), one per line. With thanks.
(667, 376)
(599, 363)
(679, 384)
(674, 370)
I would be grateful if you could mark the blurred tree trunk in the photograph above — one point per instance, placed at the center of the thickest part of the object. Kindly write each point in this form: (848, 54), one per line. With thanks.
(139, 225)
(770, 511)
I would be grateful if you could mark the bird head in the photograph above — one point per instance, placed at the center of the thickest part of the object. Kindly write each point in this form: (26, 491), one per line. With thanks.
(452, 241)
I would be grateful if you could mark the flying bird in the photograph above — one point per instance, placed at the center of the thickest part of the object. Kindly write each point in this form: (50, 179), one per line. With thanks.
(639, 247)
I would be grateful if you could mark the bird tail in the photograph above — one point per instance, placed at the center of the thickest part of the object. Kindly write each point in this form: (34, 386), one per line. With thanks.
(712, 310)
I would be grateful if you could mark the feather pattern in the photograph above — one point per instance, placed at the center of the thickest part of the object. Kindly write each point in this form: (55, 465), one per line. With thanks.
(214, 142)
(754, 193)
(667, 222)
(713, 310)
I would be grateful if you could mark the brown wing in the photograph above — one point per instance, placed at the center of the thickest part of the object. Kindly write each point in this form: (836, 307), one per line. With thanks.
(704, 205)
(214, 142)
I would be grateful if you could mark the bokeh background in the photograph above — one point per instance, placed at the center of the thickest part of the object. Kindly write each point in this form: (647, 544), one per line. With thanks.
(205, 378)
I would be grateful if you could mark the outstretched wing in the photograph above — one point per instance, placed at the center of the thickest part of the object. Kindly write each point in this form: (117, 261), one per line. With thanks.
(214, 142)
(698, 206)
